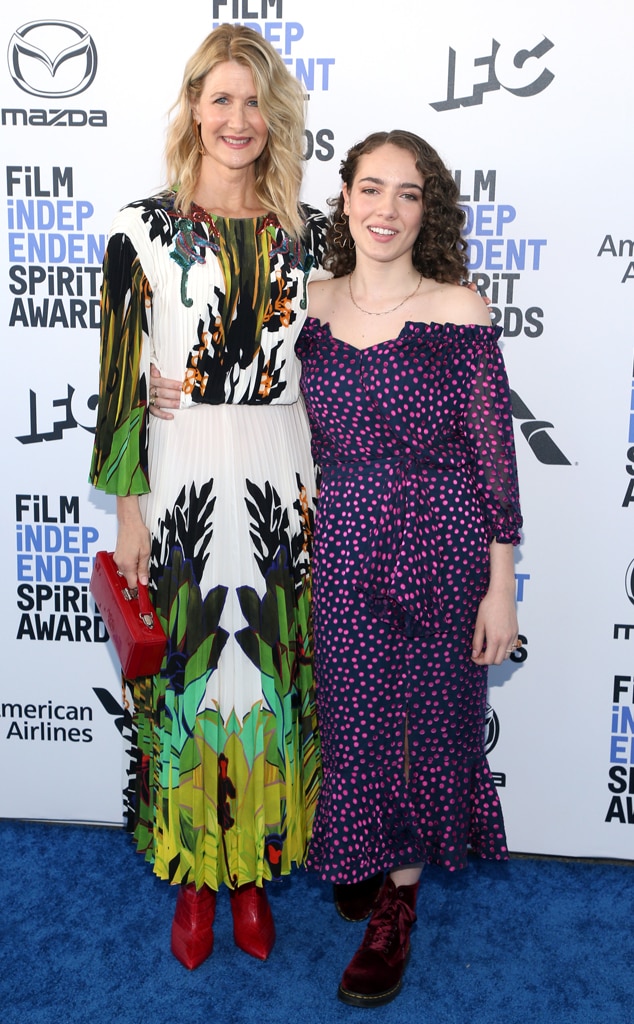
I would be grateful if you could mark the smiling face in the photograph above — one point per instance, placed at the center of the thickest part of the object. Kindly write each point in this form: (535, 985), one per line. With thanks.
(385, 203)
(233, 130)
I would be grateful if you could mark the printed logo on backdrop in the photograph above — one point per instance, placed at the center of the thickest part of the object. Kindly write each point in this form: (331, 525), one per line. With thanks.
(621, 249)
(55, 552)
(315, 74)
(48, 721)
(521, 72)
(54, 281)
(491, 737)
(621, 771)
(500, 260)
(491, 730)
(137, 770)
(499, 256)
(54, 60)
(491, 721)
(54, 555)
(629, 465)
(536, 433)
(58, 423)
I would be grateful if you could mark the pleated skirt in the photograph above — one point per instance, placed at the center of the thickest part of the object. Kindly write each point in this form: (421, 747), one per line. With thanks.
(226, 762)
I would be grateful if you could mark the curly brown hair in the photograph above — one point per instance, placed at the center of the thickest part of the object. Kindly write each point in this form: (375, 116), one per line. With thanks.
(440, 251)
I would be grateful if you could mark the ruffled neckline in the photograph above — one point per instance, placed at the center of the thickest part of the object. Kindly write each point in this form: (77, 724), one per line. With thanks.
(414, 329)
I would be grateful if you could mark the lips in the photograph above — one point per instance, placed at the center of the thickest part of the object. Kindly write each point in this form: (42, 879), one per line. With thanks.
(382, 232)
(237, 143)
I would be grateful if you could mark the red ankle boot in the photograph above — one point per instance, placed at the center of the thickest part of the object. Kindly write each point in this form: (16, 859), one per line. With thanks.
(375, 973)
(355, 901)
(192, 934)
(253, 925)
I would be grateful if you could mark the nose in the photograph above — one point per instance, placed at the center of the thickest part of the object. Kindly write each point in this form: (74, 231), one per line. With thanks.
(387, 206)
(237, 117)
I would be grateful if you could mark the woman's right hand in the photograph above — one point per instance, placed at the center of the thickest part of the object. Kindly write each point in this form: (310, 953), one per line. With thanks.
(164, 394)
(132, 552)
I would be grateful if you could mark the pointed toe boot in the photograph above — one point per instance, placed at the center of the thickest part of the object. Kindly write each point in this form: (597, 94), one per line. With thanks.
(253, 925)
(192, 927)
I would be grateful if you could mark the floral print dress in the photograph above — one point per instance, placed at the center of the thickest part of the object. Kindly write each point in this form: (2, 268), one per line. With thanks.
(226, 767)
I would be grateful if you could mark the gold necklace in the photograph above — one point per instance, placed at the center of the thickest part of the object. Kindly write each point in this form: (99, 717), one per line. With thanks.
(383, 312)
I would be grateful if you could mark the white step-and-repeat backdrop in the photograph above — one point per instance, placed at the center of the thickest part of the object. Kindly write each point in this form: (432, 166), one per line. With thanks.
(530, 105)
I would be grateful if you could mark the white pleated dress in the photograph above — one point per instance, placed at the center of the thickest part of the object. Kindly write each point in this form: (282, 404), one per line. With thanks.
(226, 767)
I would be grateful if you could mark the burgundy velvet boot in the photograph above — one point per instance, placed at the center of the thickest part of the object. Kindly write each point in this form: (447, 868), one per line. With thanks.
(192, 934)
(375, 972)
(355, 901)
(253, 925)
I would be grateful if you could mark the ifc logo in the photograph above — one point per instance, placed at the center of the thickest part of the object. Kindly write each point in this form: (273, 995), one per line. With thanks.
(52, 59)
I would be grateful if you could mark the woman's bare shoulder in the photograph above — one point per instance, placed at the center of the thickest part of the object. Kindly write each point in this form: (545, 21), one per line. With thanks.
(321, 297)
(456, 304)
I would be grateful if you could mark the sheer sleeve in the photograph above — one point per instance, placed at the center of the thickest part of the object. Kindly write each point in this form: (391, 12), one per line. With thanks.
(489, 430)
(120, 455)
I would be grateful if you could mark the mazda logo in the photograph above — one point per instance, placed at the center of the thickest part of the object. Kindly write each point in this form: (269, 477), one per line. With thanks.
(52, 58)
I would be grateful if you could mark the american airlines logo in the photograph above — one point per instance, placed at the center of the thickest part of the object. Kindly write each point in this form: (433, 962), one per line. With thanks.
(536, 433)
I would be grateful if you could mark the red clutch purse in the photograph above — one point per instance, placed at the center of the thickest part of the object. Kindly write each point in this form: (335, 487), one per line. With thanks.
(130, 619)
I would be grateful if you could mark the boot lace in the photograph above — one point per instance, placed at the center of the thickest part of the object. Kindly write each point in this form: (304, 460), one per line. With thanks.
(392, 917)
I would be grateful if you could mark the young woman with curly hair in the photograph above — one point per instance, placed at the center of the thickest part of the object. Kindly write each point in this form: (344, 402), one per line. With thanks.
(413, 579)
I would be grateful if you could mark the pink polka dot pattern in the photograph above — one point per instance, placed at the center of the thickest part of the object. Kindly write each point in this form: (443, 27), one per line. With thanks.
(414, 438)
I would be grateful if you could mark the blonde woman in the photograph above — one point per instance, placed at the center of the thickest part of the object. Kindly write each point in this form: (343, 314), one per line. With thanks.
(215, 494)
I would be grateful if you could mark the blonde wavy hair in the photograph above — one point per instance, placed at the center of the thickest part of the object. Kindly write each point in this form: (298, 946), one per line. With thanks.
(279, 168)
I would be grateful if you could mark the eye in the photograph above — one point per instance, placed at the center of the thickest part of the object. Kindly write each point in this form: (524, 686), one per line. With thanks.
(252, 103)
(369, 190)
(221, 100)
(413, 196)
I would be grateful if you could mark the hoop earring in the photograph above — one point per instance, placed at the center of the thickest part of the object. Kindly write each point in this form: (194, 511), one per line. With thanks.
(342, 236)
(198, 135)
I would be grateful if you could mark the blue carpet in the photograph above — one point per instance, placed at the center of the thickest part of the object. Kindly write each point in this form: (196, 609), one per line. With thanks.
(85, 940)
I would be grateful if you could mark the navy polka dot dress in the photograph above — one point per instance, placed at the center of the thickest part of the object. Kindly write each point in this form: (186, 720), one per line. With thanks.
(414, 438)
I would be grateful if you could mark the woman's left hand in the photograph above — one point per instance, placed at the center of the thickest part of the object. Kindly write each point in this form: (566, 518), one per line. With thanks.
(164, 394)
(496, 628)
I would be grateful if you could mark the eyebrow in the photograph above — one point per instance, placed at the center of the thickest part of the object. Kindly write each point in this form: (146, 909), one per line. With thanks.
(228, 93)
(404, 184)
